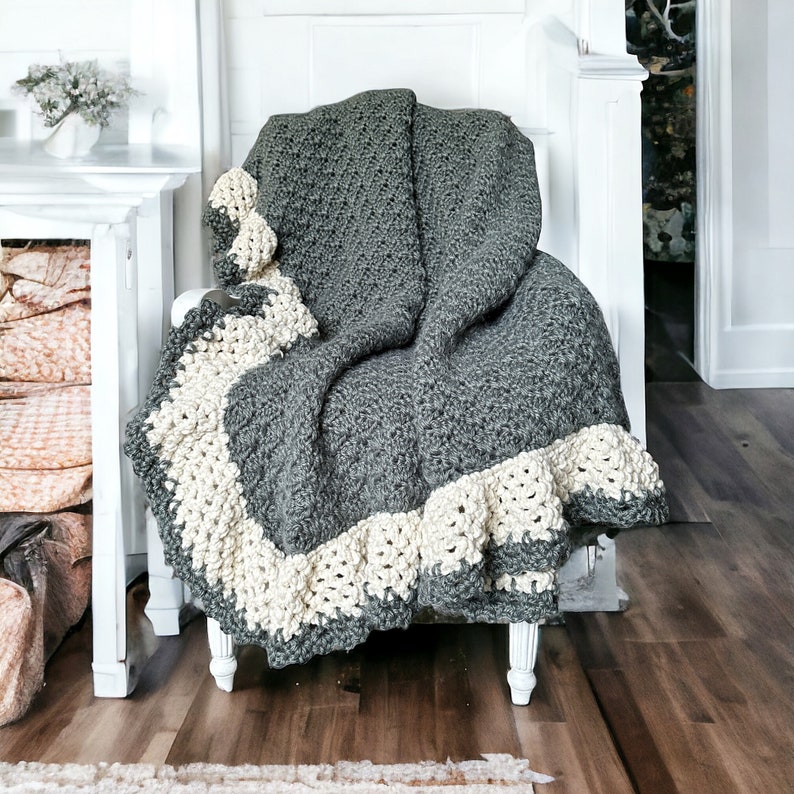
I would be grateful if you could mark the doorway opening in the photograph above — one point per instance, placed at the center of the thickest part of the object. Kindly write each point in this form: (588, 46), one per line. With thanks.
(662, 34)
(669, 321)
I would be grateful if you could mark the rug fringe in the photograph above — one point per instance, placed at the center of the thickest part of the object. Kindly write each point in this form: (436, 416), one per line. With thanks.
(350, 777)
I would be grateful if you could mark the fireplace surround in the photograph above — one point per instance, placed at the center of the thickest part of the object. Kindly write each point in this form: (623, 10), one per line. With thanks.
(120, 199)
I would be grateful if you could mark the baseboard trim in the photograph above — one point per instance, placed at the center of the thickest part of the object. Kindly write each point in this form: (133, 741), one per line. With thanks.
(751, 379)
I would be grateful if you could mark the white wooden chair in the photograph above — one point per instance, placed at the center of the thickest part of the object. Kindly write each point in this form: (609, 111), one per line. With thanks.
(559, 69)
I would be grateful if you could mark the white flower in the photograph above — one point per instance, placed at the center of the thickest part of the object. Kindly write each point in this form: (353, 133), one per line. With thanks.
(75, 87)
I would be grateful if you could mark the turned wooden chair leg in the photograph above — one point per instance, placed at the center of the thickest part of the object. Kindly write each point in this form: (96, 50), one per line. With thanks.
(223, 663)
(167, 593)
(523, 655)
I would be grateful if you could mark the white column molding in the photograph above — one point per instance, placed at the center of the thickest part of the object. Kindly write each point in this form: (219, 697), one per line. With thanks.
(600, 26)
(714, 152)
(216, 132)
(608, 177)
(112, 297)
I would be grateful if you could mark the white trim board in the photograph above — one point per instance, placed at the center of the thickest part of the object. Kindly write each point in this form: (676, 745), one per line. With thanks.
(744, 331)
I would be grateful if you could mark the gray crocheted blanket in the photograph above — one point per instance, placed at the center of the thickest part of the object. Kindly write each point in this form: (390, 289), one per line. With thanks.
(411, 405)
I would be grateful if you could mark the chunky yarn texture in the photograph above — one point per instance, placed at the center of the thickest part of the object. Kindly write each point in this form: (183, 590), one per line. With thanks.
(411, 406)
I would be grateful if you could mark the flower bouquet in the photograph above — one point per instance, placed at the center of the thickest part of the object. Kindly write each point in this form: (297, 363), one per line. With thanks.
(73, 95)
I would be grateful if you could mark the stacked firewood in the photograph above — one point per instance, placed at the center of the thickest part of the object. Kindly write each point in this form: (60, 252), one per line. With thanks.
(45, 460)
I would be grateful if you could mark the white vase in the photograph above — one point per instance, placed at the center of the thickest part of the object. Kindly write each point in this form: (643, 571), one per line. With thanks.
(72, 137)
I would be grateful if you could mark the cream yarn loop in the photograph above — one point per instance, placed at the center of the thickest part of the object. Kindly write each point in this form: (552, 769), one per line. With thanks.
(235, 193)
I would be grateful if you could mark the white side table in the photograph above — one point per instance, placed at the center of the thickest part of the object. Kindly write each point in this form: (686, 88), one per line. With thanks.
(119, 198)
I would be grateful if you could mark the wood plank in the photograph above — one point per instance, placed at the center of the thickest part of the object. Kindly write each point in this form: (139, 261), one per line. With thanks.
(489, 713)
(679, 416)
(734, 580)
(698, 691)
(666, 599)
(406, 694)
(96, 729)
(456, 673)
(685, 496)
(644, 763)
(373, 725)
(700, 742)
(774, 409)
(575, 747)
(758, 446)
(209, 729)
(711, 429)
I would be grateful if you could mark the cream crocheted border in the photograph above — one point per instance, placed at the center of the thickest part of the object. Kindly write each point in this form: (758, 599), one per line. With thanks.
(235, 193)
(383, 555)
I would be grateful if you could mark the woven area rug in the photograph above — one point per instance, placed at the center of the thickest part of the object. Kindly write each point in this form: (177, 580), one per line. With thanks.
(467, 777)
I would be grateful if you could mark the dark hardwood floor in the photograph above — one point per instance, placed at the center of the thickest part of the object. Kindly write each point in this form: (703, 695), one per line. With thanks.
(690, 690)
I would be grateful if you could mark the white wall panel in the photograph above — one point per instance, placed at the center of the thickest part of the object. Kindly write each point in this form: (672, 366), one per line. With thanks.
(440, 62)
(780, 95)
(39, 31)
(745, 328)
(763, 287)
(64, 25)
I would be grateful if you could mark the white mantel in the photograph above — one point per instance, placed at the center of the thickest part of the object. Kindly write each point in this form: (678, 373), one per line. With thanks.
(121, 199)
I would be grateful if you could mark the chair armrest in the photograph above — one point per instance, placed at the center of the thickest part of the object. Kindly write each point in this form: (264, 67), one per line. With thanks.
(192, 299)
